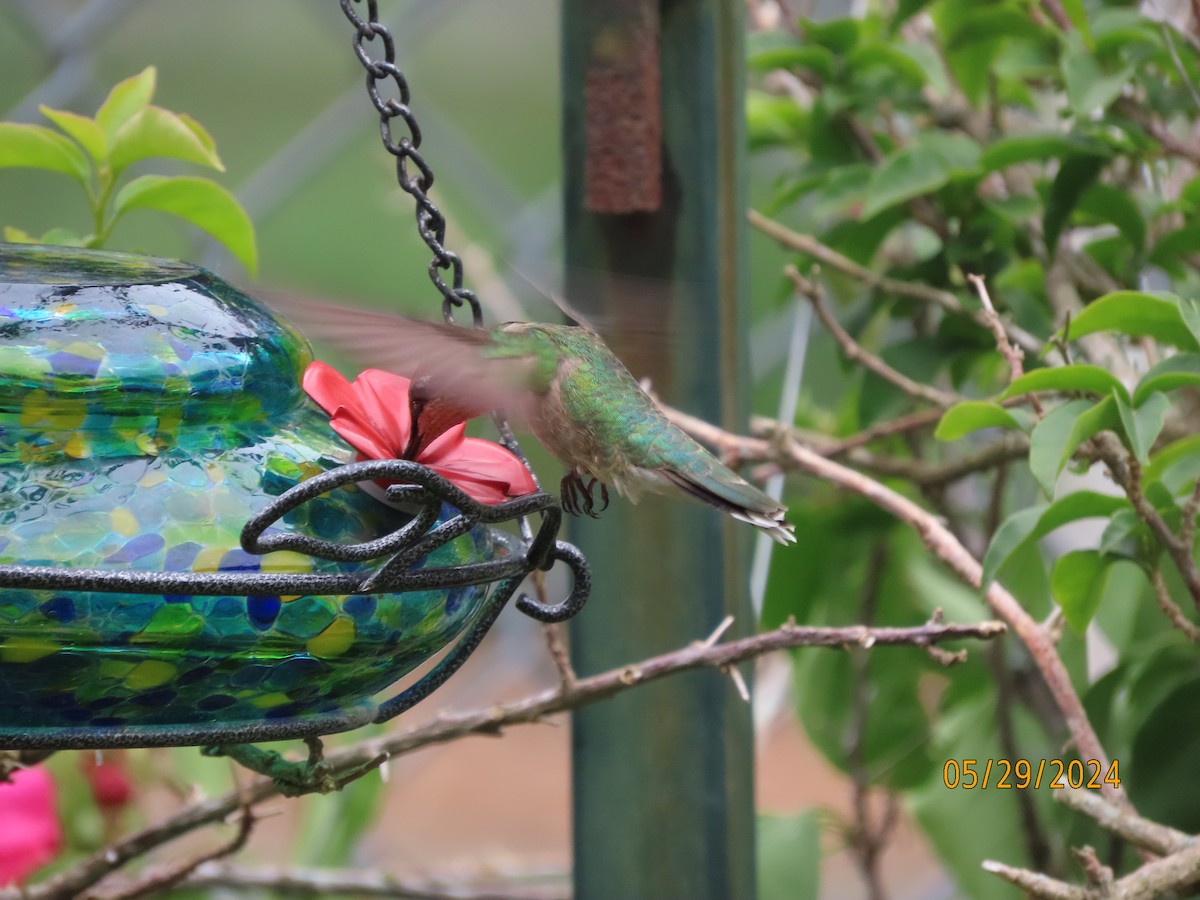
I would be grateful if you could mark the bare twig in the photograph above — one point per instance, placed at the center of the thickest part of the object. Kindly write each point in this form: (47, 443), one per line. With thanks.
(790, 455)
(825, 255)
(493, 720)
(867, 839)
(161, 879)
(1127, 472)
(1123, 822)
(322, 883)
(1163, 596)
(856, 353)
(553, 631)
(1158, 878)
(1012, 355)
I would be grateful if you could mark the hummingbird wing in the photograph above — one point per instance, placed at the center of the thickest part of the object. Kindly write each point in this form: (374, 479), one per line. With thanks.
(464, 368)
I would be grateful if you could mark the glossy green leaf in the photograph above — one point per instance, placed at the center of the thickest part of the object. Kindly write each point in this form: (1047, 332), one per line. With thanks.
(1022, 148)
(1180, 370)
(1076, 377)
(1077, 582)
(201, 202)
(125, 100)
(972, 415)
(154, 132)
(919, 169)
(1142, 424)
(1049, 439)
(89, 135)
(37, 147)
(1075, 176)
(1137, 313)
(1036, 522)
(789, 856)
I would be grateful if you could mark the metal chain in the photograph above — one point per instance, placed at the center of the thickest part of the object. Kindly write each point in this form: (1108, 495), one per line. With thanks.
(431, 224)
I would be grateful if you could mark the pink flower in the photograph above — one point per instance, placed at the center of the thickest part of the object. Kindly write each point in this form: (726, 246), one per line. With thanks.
(108, 778)
(30, 833)
(373, 415)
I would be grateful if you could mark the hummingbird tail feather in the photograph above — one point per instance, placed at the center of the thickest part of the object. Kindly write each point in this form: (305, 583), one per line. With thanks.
(742, 501)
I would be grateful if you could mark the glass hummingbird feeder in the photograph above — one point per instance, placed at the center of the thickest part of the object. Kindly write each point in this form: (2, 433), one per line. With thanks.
(186, 556)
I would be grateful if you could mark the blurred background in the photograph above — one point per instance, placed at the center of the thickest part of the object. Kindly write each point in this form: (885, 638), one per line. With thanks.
(277, 85)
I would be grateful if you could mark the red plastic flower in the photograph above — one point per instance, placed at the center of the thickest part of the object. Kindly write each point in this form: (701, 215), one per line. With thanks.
(372, 414)
(30, 833)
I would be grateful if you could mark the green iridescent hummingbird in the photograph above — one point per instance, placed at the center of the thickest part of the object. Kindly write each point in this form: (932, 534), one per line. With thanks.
(577, 398)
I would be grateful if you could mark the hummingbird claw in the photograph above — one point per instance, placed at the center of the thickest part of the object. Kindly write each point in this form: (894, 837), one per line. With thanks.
(577, 496)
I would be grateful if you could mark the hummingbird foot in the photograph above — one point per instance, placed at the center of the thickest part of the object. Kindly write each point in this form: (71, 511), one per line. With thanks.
(578, 497)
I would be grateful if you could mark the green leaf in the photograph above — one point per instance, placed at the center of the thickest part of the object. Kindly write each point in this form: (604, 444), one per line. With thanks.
(789, 856)
(158, 132)
(1088, 88)
(897, 66)
(1138, 314)
(1180, 370)
(1076, 377)
(1186, 450)
(1050, 438)
(1118, 529)
(972, 415)
(1110, 204)
(1170, 250)
(1189, 310)
(1142, 425)
(1011, 151)
(1012, 533)
(1077, 582)
(768, 50)
(37, 147)
(1036, 522)
(126, 100)
(1078, 16)
(201, 202)
(89, 135)
(1075, 176)
(919, 169)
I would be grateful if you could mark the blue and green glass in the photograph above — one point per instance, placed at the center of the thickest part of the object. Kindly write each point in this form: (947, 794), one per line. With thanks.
(147, 410)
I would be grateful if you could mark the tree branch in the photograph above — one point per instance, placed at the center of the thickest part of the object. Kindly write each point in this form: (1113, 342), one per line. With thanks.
(320, 883)
(856, 353)
(825, 255)
(788, 454)
(493, 720)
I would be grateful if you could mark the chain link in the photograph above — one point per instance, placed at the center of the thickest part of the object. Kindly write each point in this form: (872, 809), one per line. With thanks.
(431, 224)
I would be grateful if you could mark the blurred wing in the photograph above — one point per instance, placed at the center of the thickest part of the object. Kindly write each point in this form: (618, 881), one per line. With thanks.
(454, 360)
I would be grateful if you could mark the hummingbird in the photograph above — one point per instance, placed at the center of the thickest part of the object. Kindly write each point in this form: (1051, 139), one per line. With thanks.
(576, 397)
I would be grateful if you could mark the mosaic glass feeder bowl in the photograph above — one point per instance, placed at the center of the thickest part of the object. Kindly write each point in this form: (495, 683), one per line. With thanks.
(186, 557)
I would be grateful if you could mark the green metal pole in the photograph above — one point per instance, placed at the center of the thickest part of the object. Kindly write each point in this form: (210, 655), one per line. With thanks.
(654, 196)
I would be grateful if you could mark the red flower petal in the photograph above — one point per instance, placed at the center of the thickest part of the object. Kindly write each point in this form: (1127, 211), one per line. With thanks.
(383, 399)
(372, 415)
(360, 434)
(486, 471)
(30, 833)
(328, 387)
